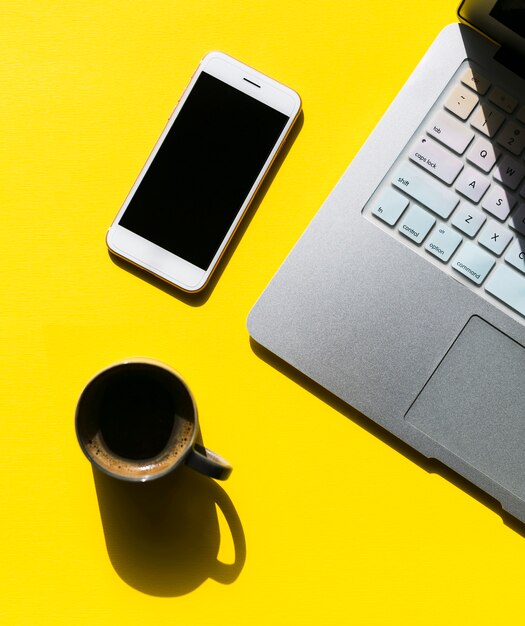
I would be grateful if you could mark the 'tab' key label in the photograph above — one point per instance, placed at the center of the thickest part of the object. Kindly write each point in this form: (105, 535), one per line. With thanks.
(450, 132)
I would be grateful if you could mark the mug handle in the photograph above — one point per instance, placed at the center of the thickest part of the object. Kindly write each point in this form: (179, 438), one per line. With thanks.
(207, 462)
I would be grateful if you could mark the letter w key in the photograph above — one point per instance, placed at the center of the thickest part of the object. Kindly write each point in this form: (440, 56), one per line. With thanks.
(509, 172)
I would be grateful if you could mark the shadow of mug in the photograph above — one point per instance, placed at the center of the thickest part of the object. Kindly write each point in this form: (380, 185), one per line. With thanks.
(163, 537)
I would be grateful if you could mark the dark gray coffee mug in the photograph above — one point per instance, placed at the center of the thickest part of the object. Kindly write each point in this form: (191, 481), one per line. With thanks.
(137, 421)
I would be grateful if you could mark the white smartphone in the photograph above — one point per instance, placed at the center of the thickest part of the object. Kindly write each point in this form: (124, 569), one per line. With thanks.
(203, 172)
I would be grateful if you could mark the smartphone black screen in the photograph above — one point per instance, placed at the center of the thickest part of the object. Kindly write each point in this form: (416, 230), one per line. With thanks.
(203, 171)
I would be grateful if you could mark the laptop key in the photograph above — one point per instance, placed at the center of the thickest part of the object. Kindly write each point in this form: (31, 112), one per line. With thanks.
(512, 137)
(461, 102)
(475, 81)
(520, 115)
(517, 219)
(468, 219)
(487, 119)
(483, 154)
(509, 171)
(450, 132)
(443, 242)
(495, 237)
(425, 190)
(498, 202)
(509, 287)
(502, 99)
(472, 184)
(389, 206)
(473, 263)
(416, 224)
(516, 255)
(437, 160)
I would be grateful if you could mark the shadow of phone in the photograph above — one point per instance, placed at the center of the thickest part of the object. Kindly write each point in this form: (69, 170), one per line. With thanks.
(200, 298)
(163, 537)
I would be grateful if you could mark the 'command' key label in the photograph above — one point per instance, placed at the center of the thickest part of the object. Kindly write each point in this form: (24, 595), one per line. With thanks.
(473, 263)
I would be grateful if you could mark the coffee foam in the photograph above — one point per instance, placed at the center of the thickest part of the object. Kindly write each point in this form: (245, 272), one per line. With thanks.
(177, 447)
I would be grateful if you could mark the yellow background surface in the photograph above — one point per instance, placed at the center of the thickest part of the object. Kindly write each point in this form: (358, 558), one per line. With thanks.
(325, 519)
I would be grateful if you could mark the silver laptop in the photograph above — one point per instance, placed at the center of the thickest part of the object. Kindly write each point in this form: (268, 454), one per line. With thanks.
(405, 297)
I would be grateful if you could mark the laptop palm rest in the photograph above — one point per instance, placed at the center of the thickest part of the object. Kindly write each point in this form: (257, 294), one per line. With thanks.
(474, 406)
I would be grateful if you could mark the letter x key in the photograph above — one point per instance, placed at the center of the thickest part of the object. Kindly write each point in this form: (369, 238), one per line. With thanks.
(495, 237)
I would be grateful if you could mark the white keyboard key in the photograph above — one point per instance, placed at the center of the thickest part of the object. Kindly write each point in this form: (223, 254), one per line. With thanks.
(389, 206)
(498, 202)
(475, 81)
(520, 115)
(416, 224)
(425, 189)
(487, 119)
(450, 132)
(443, 242)
(502, 99)
(517, 219)
(509, 287)
(461, 102)
(495, 237)
(468, 219)
(473, 263)
(483, 154)
(472, 184)
(516, 254)
(509, 172)
(435, 159)
(512, 137)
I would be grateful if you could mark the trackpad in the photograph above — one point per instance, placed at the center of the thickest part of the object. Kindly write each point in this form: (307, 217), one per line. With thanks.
(474, 404)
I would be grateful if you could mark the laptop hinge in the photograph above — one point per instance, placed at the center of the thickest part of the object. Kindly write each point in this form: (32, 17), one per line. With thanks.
(512, 60)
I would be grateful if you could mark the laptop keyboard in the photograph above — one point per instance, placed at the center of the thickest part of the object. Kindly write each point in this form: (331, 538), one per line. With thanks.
(456, 194)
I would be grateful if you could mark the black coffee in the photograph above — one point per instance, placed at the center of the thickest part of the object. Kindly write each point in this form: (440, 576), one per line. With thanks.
(136, 420)
(136, 413)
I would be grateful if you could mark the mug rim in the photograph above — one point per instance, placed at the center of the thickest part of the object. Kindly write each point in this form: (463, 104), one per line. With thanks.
(191, 442)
